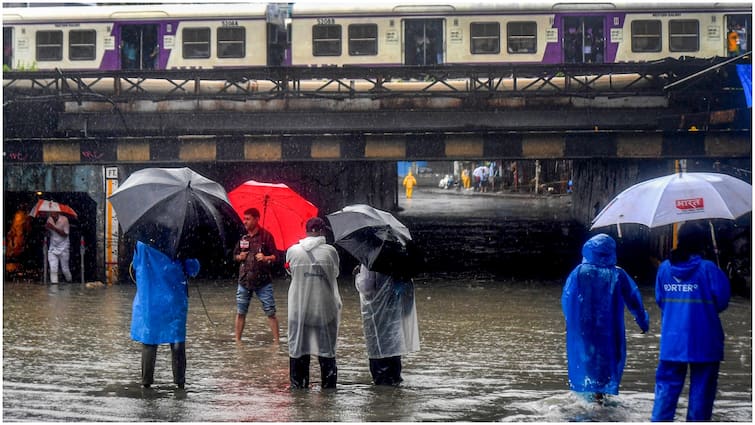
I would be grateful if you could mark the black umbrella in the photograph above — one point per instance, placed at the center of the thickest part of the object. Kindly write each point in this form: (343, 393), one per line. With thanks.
(177, 211)
(375, 238)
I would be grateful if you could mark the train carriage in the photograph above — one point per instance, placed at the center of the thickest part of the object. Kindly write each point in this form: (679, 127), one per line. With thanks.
(143, 37)
(379, 33)
(396, 34)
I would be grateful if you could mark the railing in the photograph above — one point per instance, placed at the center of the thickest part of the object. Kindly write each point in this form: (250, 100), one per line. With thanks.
(459, 81)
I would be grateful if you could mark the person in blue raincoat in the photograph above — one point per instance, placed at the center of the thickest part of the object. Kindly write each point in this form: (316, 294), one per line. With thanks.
(691, 293)
(593, 302)
(160, 307)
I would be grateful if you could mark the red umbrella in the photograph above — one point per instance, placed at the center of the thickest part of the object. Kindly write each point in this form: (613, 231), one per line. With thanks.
(45, 206)
(283, 212)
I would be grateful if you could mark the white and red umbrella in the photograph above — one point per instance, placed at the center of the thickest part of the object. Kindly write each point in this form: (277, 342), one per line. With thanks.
(677, 198)
(45, 206)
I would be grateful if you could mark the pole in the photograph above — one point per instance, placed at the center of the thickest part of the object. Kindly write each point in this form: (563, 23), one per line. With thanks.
(44, 261)
(82, 251)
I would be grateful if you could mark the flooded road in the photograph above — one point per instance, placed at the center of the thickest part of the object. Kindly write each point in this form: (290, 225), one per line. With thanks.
(490, 351)
(492, 345)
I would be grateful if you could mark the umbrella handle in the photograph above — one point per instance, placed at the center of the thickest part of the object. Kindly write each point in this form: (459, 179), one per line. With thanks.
(713, 238)
(264, 209)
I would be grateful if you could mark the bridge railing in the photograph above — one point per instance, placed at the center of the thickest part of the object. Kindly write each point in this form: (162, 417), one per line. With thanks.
(534, 80)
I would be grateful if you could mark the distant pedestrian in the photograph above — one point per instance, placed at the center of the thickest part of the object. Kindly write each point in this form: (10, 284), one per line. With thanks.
(314, 306)
(691, 293)
(593, 302)
(255, 253)
(732, 42)
(389, 317)
(59, 249)
(409, 183)
(160, 308)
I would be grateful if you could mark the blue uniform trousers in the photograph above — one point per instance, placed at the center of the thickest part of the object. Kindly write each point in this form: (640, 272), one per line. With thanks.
(669, 381)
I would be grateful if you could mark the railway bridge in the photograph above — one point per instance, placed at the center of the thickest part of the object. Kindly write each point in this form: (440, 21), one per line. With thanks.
(335, 134)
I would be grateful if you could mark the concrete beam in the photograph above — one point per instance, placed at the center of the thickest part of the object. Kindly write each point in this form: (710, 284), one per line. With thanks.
(381, 147)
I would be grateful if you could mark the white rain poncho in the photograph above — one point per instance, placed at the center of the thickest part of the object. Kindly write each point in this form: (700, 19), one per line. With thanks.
(314, 304)
(389, 314)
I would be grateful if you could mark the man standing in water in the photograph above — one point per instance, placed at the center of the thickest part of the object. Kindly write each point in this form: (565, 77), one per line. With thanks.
(160, 308)
(314, 306)
(691, 293)
(255, 252)
(389, 316)
(593, 303)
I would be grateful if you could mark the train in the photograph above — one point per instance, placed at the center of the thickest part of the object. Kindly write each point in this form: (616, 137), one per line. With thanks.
(368, 34)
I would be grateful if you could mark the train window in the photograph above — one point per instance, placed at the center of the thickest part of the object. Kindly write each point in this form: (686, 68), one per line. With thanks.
(231, 42)
(49, 45)
(485, 37)
(326, 40)
(363, 40)
(646, 36)
(82, 45)
(196, 43)
(521, 37)
(684, 36)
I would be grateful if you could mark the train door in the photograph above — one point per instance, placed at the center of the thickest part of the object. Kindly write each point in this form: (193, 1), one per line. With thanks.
(738, 34)
(139, 48)
(7, 48)
(584, 39)
(423, 42)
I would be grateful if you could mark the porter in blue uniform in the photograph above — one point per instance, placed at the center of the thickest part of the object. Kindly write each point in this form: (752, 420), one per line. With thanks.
(691, 292)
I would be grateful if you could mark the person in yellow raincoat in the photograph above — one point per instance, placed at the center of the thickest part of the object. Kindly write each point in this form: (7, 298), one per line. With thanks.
(465, 180)
(409, 183)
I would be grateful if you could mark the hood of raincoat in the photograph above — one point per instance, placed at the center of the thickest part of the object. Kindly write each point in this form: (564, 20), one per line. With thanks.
(600, 250)
(684, 270)
(311, 242)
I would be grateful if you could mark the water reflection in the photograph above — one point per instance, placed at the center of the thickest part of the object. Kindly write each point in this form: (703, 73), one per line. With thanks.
(491, 351)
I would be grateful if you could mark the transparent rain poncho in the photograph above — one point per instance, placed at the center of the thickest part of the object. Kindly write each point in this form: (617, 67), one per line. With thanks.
(389, 314)
(314, 303)
(161, 301)
(593, 303)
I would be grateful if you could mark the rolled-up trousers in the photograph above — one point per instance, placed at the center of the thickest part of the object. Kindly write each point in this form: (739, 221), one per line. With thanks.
(149, 357)
(299, 371)
(669, 381)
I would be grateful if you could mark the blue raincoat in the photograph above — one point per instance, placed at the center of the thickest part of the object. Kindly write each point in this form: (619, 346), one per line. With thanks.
(161, 302)
(690, 295)
(593, 302)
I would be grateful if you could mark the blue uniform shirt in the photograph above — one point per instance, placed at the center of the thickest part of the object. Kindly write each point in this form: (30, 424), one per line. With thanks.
(690, 295)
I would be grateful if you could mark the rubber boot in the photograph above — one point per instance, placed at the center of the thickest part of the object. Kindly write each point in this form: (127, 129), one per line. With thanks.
(329, 371)
(149, 357)
(386, 371)
(299, 371)
(178, 354)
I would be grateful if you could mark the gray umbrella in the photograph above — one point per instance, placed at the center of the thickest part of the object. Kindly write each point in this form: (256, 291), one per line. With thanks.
(377, 239)
(177, 211)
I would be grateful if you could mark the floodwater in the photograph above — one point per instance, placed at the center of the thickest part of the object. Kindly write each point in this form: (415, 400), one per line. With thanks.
(492, 347)
(490, 351)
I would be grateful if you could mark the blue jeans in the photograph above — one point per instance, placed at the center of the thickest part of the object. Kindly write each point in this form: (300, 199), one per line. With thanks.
(265, 295)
